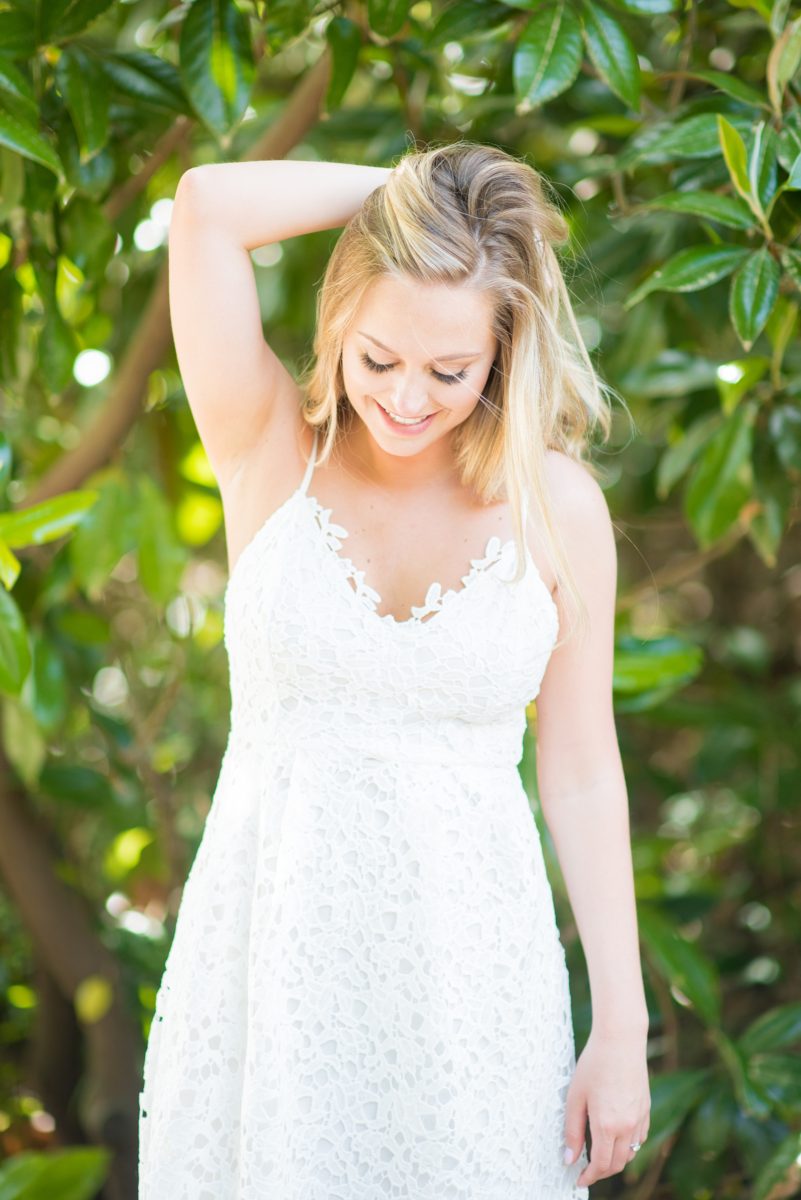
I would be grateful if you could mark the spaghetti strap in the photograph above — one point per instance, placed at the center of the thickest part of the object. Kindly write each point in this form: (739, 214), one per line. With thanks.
(310, 464)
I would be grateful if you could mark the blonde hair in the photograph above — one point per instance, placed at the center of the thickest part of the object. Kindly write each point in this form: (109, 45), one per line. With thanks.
(466, 213)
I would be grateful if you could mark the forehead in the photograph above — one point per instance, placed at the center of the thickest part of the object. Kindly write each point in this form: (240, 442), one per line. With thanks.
(407, 314)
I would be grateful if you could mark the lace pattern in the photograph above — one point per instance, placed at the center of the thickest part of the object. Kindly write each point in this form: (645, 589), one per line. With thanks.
(435, 598)
(366, 995)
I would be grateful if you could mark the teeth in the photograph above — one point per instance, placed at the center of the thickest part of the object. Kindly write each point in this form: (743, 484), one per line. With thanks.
(405, 420)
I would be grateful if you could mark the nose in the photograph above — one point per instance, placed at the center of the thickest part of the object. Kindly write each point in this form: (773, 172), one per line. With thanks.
(408, 399)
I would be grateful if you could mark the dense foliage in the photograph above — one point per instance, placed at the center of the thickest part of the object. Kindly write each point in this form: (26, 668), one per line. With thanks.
(672, 133)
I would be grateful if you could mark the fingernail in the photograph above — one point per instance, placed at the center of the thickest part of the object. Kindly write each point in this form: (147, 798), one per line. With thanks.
(568, 1155)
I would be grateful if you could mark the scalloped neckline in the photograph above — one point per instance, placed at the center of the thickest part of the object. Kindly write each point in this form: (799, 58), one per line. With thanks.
(435, 601)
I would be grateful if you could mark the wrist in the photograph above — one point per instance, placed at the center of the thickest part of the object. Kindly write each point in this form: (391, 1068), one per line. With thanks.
(617, 1026)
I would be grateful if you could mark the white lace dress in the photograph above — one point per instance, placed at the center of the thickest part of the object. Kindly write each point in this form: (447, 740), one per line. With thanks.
(366, 995)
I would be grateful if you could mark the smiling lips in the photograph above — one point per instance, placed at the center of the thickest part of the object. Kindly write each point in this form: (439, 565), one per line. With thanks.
(405, 420)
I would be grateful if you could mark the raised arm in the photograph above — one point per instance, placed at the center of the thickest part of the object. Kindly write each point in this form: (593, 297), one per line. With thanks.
(233, 379)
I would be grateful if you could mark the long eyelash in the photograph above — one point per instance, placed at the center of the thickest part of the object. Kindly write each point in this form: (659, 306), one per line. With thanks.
(379, 368)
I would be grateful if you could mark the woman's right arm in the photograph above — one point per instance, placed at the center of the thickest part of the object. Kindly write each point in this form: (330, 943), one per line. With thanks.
(234, 381)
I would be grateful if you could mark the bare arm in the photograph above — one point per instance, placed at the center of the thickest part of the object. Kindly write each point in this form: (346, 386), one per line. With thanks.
(261, 202)
(579, 771)
(585, 805)
(234, 381)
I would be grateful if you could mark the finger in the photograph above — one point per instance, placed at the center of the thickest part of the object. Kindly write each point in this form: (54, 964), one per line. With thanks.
(600, 1159)
(575, 1124)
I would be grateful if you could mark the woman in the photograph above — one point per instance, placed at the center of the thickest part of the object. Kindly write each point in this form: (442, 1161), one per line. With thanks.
(366, 995)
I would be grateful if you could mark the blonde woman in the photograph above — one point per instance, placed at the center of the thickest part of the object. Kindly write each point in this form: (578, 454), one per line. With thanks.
(366, 995)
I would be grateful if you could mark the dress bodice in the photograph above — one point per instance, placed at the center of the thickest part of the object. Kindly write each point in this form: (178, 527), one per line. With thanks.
(313, 662)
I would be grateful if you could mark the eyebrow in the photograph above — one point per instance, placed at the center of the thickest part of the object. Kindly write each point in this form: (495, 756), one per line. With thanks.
(435, 357)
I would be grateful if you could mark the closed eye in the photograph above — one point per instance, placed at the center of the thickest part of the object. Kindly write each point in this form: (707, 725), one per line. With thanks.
(379, 368)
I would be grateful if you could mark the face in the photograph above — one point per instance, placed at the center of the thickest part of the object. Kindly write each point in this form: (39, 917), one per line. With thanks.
(422, 352)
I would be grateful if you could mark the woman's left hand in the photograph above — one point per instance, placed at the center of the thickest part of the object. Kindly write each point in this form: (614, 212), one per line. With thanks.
(610, 1089)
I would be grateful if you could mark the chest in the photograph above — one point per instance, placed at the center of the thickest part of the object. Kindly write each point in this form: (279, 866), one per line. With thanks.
(303, 619)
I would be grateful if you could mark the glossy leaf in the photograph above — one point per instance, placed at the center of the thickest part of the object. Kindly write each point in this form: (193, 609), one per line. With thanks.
(780, 1176)
(720, 483)
(726, 210)
(47, 520)
(753, 293)
(146, 78)
(690, 270)
(783, 62)
(85, 89)
(64, 18)
(24, 138)
(664, 141)
(217, 62)
(736, 158)
(161, 557)
(345, 39)
(777, 1029)
(16, 93)
(674, 1095)
(387, 17)
(680, 454)
(611, 49)
(15, 653)
(682, 963)
(548, 55)
(763, 165)
(72, 1174)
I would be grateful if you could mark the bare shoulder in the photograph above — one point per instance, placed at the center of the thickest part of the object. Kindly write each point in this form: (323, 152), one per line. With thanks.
(580, 505)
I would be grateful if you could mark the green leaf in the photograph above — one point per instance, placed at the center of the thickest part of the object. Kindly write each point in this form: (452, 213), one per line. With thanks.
(681, 454)
(775, 1029)
(791, 262)
(726, 210)
(50, 700)
(71, 783)
(345, 39)
(162, 558)
(778, 1076)
(146, 78)
(65, 18)
(752, 295)
(85, 89)
(547, 57)
(730, 84)
(25, 139)
(611, 50)
(793, 181)
(47, 520)
(720, 483)
(665, 141)
(734, 154)
(73, 1174)
(784, 426)
(466, 19)
(16, 93)
(763, 165)
(217, 62)
(643, 665)
(387, 17)
(682, 963)
(647, 8)
(712, 1121)
(104, 535)
(15, 653)
(780, 1176)
(673, 1096)
(783, 62)
(17, 34)
(690, 270)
